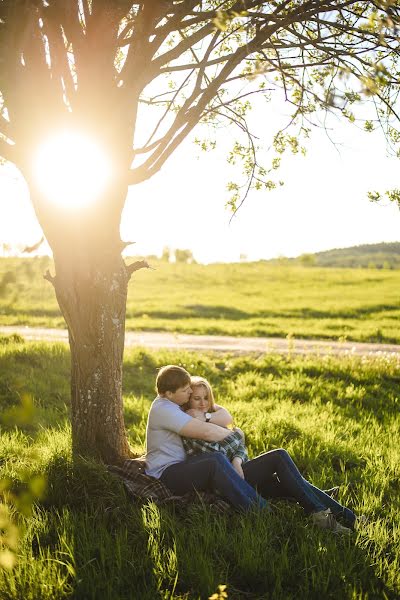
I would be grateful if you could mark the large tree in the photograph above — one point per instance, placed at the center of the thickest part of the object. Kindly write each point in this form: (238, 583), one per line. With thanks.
(136, 78)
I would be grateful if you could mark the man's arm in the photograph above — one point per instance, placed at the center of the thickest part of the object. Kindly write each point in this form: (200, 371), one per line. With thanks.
(204, 431)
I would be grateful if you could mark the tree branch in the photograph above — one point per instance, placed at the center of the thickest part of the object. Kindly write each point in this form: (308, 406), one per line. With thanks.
(172, 139)
(59, 57)
(140, 50)
(30, 249)
(148, 146)
(173, 24)
(73, 31)
(50, 278)
(182, 47)
(139, 264)
(191, 116)
(197, 65)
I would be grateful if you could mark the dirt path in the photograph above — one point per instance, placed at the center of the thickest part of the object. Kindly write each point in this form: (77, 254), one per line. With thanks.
(221, 343)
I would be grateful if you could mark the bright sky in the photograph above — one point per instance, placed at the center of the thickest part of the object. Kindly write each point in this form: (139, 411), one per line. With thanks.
(322, 205)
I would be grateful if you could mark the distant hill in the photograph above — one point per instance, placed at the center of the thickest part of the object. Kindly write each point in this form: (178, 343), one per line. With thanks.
(385, 255)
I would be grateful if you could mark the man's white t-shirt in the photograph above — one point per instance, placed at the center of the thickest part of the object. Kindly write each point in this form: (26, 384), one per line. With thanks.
(163, 442)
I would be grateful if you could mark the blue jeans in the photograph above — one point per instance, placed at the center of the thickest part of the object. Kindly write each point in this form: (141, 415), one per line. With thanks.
(275, 475)
(272, 475)
(212, 472)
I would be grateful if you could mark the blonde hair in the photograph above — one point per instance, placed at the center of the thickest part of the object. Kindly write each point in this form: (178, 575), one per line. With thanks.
(201, 381)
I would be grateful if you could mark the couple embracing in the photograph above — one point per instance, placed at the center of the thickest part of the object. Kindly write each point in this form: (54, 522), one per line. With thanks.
(189, 445)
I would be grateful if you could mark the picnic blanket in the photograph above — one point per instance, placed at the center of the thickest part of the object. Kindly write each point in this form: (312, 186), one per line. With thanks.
(142, 487)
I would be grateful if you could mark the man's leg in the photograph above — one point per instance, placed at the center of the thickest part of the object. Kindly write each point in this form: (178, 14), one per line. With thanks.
(275, 475)
(212, 472)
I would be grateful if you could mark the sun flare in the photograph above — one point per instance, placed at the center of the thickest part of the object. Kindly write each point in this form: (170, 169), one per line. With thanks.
(71, 169)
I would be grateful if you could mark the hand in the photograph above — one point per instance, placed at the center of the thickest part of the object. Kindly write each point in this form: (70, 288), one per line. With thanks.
(196, 413)
(237, 465)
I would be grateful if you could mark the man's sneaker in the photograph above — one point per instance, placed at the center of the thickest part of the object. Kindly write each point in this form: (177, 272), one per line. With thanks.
(325, 520)
(333, 492)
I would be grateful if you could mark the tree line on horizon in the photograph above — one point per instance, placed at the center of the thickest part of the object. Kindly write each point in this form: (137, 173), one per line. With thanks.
(385, 255)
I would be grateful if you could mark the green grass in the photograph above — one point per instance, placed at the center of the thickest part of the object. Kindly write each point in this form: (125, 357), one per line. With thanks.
(250, 299)
(84, 539)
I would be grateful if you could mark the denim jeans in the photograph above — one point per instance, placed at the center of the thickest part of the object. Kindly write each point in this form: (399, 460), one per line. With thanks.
(275, 475)
(212, 472)
(272, 475)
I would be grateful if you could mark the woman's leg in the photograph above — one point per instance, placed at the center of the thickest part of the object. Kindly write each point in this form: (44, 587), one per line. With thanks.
(275, 475)
(344, 513)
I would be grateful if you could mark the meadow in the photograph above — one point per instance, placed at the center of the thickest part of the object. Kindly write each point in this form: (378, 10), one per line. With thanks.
(83, 538)
(248, 299)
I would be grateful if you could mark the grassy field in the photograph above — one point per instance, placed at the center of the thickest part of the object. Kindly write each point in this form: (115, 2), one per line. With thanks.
(85, 540)
(254, 299)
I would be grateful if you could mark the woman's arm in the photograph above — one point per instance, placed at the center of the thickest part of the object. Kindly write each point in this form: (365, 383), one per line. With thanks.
(220, 416)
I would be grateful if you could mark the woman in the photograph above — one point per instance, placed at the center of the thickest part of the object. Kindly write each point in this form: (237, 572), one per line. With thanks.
(202, 403)
(273, 474)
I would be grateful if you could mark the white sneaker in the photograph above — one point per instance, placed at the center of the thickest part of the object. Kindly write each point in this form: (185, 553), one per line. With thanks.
(325, 520)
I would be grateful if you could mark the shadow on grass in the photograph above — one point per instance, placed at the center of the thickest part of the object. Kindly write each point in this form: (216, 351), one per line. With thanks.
(356, 391)
(122, 550)
(105, 546)
(218, 311)
(88, 540)
(102, 546)
(108, 545)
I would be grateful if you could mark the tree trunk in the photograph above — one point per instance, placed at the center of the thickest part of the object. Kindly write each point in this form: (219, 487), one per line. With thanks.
(92, 297)
(91, 284)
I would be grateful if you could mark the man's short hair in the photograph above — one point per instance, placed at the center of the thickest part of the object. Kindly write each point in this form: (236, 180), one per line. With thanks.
(170, 378)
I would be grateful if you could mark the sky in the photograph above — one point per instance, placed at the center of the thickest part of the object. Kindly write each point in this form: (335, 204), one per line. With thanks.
(322, 205)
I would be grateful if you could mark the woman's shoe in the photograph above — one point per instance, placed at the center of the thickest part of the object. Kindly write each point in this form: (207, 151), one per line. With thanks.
(325, 520)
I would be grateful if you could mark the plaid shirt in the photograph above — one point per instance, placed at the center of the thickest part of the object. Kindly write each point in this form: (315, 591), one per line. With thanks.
(142, 487)
(232, 446)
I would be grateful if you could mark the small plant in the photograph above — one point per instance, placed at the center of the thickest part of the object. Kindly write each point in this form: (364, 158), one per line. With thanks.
(220, 594)
(17, 500)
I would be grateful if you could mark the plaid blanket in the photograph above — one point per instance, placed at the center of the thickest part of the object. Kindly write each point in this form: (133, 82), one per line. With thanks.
(142, 487)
